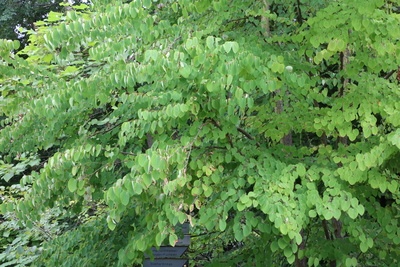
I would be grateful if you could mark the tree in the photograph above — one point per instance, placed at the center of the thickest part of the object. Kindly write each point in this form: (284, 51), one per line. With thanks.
(23, 13)
(178, 111)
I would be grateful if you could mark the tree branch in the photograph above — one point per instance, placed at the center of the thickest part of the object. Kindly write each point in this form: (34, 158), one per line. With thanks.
(249, 136)
(390, 73)
(299, 15)
(245, 133)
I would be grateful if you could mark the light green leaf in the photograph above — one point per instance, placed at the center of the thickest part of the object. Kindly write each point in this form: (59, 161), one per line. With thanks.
(172, 239)
(394, 138)
(247, 230)
(277, 67)
(228, 46)
(185, 71)
(301, 170)
(274, 246)
(54, 16)
(159, 238)
(143, 160)
(363, 247)
(147, 179)
(222, 225)
(151, 54)
(72, 185)
(210, 42)
(124, 196)
(111, 223)
(146, 3)
(291, 258)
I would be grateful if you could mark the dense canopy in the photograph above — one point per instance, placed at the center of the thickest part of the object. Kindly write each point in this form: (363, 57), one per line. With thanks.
(271, 126)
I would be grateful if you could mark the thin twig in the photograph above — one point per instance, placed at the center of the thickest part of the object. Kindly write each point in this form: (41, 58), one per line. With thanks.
(245, 133)
(387, 76)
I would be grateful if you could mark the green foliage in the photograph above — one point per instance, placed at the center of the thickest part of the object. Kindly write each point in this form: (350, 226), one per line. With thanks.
(15, 14)
(182, 110)
(7, 171)
(21, 242)
(90, 244)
